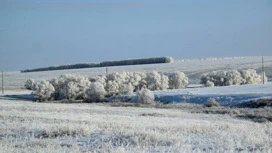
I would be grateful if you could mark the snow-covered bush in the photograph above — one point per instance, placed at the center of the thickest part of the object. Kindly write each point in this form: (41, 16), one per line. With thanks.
(177, 80)
(164, 82)
(126, 89)
(209, 84)
(102, 79)
(59, 85)
(128, 82)
(30, 84)
(43, 90)
(124, 83)
(114, 83)
(137, 80)
(234, 77)
(211, 103)
(145, 96)
(217, 78)
(251, 77)
(156, 81)
(95, 93)
(70, 87)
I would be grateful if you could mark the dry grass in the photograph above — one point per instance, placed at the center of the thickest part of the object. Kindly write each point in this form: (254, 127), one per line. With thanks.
(256, 110)
(256, 114)
(258, 103)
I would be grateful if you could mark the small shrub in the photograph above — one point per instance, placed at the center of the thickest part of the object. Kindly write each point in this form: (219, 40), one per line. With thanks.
(145, 96)
(211, 103)
(30, 84)
(209, 84)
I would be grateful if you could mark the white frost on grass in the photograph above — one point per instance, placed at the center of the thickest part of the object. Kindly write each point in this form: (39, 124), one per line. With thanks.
(52, 127)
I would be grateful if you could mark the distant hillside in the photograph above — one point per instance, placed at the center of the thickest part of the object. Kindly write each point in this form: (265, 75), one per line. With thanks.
(104, 64)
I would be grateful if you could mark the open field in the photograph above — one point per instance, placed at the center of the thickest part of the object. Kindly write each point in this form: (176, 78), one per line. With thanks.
(27, 126)
(55, 127)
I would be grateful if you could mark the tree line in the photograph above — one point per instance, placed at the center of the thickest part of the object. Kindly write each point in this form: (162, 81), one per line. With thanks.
(104, 64)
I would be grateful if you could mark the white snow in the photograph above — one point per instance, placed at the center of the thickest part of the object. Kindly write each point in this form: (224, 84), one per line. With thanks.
(226, 90)
(228, 95)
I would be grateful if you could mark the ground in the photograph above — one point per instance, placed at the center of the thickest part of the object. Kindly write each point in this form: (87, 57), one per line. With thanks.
(27, 126)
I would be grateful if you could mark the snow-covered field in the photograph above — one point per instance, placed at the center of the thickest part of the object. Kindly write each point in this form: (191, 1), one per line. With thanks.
(27, 126)
(226, 96)
(54, 127)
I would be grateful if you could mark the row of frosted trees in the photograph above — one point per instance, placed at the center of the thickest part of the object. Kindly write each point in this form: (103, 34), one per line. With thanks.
(154, 60)
(94, 89)
(233, 77)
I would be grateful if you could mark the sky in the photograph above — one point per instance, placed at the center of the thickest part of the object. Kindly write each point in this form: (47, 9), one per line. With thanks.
(41, 33)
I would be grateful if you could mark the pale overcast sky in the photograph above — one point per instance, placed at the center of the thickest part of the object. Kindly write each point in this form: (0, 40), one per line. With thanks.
(40, 33)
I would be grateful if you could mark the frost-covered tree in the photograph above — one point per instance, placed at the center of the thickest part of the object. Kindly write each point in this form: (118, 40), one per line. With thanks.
(112, 88)
(30, 84)
(145, 96)
(222, 78)
(43, 90)
(216, 78)
(59, 84)
(114, 82)
(164, 82)
(156, 81)
(127, 82)
(126, 89)
(177, 80)
(70, 86)
(227, 78)
(233, 78)
(100, 79)
(95, 92)
(153, 80)
(250, 76)
(138, 80)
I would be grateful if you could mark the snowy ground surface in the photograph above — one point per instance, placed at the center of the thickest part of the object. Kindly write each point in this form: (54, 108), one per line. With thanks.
(33, 127)
(226, 96)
